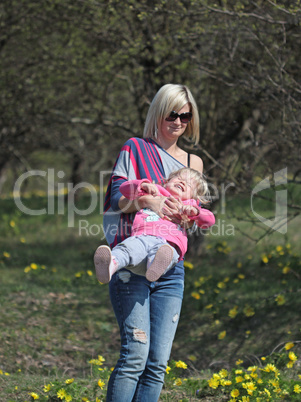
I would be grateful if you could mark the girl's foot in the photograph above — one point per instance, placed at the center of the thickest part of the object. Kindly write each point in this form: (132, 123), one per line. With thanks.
(160, 263)
(105, 266)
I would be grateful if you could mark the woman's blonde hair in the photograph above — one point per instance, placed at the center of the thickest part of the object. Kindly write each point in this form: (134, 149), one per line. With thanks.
(172, 97)
(201, 192)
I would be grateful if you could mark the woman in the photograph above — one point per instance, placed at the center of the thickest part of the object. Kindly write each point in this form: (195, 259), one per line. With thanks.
(148, 312)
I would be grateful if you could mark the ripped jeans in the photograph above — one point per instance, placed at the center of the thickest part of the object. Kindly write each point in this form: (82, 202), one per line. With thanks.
(147, 314)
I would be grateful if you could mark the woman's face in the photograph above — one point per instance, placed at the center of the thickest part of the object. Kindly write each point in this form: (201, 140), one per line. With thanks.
(173, 129)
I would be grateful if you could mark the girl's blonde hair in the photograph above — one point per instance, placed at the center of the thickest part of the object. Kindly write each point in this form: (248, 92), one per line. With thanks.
(172, 97)
(201, 192)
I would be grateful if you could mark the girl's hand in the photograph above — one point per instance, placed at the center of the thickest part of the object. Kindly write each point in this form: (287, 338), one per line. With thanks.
(150, 188)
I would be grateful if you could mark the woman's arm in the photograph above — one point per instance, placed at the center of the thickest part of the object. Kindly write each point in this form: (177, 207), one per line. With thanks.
(156, 204)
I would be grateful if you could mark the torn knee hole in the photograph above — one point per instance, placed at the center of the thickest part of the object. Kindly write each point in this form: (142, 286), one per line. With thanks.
(139, 335)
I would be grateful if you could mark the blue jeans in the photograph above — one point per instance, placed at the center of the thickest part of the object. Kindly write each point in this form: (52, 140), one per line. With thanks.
(147, 314)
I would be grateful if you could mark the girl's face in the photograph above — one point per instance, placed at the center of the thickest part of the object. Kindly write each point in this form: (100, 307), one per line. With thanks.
(171, 130)
(181, 187)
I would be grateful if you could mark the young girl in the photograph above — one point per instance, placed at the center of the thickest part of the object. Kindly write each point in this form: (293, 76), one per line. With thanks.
(155, 241)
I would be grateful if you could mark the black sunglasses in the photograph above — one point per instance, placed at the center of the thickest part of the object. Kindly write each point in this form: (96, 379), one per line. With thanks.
(184, 117)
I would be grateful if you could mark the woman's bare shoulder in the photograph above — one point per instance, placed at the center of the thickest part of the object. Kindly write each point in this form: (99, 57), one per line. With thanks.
(196, 163)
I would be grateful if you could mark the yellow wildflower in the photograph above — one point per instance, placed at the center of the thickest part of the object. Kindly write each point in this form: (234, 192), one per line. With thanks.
(188, 265)
(297, 389)
(289, 345)
(61, 394)
(209, 306)
(90, 273)
(168, 369)
(213, 383)
(178, 382)
(279, 248)
(34, 395)
(181, 364)
(265, 259)
(101, 384)
(270, 368)
(196, 295)
(223, 373)
(292, 356)
(6, 254)
(47, 388)
(68, 398)
(286, 270)
(234, 393)
(280, 299)
(238, 362)
(248, 311)
(12, 223)
(233, 312)
(33, 266)
(27, 269)
(222, 334)
(69, 381)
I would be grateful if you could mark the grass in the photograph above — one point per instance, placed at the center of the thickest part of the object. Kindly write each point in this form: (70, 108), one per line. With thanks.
(242, 301)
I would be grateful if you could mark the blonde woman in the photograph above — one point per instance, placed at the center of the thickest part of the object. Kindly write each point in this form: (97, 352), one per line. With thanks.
(147, 312)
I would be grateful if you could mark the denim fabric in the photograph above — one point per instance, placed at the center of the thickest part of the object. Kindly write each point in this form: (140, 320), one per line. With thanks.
(136, 251)
(147, 314)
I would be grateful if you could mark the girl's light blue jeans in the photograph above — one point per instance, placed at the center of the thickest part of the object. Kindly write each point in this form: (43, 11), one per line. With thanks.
(148, 315)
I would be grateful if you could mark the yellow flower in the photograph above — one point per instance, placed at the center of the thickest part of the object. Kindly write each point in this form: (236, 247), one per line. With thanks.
(233, 312)
(223, 373)
(265, 259)
(61, 393)
(6, 254)
(69, 381)
(78, 275)
(47, 388)
(181, 364)
(188, 265)
(292, 356)
(288, 346)
(279, 248)
(270, 368)
(168, 369)
(34, 395)
(22, 240)
(213, 383)
(248, 311)
(27, 269)
(226, 382)
(221, 285)
(178, 382)
(222, 334)
(196, 295)
(234, 393)
(101, 384)
(192, 358)
(297, 389)
(285, 270)
(209, 306)
(280, 299)
(68, 398)
(33, 265)
(90, 273)
(238, 362)
(12, 223)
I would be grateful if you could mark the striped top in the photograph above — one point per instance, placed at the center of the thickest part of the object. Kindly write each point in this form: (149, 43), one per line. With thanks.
(139, 158)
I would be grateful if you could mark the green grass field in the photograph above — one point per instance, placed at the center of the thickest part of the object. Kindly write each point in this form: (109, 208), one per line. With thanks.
(242, 303)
